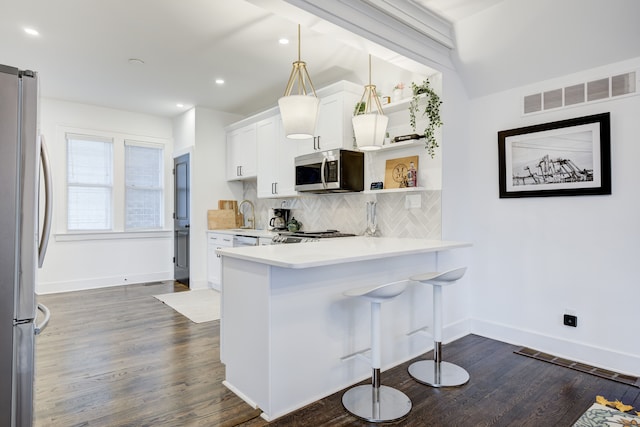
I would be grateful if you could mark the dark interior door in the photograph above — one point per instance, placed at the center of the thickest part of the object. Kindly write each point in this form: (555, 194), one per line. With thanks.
(181, 219)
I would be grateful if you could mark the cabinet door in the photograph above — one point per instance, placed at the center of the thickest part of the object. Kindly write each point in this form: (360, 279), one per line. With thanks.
(334, 128)
(268, 148)
(276, 170)
(285, 172)
(241, 153)
(214, 262)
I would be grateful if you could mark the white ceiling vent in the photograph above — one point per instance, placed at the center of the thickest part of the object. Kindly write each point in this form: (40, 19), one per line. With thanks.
(591, 91)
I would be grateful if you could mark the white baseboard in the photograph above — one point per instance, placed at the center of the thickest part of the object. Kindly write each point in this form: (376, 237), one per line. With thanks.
(100, 282)
(580, 352)
(195, 285)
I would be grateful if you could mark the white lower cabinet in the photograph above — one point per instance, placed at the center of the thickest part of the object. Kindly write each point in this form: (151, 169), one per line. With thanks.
(214, 261)
(276, 153)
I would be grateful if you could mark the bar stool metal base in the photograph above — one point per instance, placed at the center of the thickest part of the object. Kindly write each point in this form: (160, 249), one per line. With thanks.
(389, 404)
(443, 374)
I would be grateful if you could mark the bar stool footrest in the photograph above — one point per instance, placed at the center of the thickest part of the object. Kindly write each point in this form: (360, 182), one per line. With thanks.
(443, 374)
(390, 404)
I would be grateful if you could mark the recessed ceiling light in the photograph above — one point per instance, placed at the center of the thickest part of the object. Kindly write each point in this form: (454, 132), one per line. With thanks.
(179, 105)
(31, 31)
(219, 81)
(136, 61)
(283, 41)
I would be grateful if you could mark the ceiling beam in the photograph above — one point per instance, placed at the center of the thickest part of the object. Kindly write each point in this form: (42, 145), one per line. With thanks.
(405, 28)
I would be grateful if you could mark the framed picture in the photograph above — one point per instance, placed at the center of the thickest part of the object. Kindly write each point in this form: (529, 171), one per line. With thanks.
(396, 173)
(565, 158)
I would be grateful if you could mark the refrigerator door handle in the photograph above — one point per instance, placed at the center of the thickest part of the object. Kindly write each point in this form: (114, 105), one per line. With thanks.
(48, 202)
(47, 315)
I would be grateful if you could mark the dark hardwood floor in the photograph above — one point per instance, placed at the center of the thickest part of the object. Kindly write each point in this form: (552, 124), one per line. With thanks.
(120, 357)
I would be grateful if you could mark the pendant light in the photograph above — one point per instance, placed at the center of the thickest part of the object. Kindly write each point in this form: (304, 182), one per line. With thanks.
(299, 111)
(370, 127)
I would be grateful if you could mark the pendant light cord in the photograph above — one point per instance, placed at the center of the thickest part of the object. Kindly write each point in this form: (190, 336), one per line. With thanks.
(298, 42)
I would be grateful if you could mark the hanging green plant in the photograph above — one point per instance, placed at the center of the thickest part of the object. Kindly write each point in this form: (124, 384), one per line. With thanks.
(431, 110)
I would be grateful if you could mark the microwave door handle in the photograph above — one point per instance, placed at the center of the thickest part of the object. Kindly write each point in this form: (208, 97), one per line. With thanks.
(48, 202)
(322, 172)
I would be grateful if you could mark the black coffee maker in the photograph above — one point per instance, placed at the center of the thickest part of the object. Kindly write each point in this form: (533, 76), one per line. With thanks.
(278, 219)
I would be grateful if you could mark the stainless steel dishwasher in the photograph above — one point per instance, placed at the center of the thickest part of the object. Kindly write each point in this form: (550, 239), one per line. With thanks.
(244, 241)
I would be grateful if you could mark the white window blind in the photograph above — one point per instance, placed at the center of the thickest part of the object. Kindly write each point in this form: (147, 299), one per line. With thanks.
(89, 182)
(144, 193)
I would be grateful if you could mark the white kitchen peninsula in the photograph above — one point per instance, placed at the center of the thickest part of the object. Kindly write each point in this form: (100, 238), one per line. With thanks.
(286, 325)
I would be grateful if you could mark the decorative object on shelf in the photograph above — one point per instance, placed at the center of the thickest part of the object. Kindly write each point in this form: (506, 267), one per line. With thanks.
(369, 126)
(431, 110)
(564, 158)
(377, 185)
(299, 111)
(372, 221)
(412, 175)
(411, 137)
(398, 92)
(397, 170)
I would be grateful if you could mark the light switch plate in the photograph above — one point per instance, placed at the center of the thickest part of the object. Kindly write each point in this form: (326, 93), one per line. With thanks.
(412, 201)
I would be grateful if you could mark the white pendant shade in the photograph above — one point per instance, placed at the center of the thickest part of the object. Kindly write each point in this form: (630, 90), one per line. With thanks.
(370, 130)
(299, 115)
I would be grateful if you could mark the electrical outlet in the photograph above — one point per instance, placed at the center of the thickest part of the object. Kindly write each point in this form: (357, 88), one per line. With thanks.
(413, 201)
(571, 320)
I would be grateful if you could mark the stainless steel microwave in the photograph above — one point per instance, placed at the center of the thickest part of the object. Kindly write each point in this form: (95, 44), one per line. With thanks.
(334, 171)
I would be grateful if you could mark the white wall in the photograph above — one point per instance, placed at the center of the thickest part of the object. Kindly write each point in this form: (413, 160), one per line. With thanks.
(200, 131)
(536, 258)
(73, 264)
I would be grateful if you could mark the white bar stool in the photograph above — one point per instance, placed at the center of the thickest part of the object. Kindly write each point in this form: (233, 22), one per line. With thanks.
(435, 372)
(375, 402)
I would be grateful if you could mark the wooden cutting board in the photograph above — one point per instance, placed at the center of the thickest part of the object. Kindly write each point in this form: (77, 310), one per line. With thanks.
(221, 219)
(228, 204)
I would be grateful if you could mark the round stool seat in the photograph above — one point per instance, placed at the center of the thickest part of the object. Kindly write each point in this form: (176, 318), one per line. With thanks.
(379, 293)
(440, 278)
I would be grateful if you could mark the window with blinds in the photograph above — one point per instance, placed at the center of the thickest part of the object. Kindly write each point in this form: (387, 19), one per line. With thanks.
(144, 192)
(89, 183)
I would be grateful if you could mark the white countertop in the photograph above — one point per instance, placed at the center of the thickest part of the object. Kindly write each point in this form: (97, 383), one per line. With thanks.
(337, 251)
(252, 232)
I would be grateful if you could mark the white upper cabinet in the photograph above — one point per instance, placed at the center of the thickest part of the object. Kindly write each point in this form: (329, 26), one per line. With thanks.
(275, 159)
(257, 147)
(334, 129)
(241, 153)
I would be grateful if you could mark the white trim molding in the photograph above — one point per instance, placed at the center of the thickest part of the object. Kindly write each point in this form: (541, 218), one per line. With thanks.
(402, 26)
(580, 352)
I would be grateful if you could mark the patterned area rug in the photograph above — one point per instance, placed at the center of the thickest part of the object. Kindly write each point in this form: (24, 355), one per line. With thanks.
(199, 306)
(600, 415)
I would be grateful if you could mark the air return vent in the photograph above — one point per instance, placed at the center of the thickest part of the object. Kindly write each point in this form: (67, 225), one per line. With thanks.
(594, 90)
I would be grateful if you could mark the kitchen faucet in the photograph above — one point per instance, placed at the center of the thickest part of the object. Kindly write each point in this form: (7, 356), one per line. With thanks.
(252, 220)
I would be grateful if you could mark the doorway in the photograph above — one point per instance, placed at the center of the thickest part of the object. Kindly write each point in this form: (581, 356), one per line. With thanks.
(181, 216)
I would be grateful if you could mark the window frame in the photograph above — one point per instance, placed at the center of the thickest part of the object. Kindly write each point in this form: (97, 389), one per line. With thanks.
(62, 233)
(161, 188)
(69, 136)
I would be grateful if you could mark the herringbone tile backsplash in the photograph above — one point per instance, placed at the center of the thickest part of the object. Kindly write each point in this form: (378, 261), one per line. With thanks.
(347, 212)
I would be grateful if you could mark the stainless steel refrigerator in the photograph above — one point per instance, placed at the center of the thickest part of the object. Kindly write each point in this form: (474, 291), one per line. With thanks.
(23, 240)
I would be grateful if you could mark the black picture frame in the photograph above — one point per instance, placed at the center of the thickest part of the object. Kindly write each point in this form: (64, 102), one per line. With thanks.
(564, 158)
